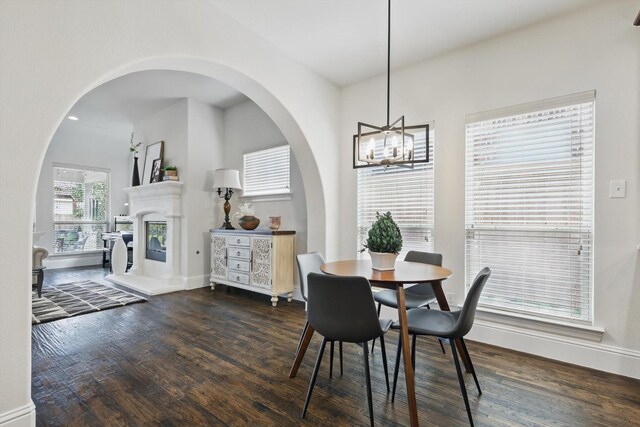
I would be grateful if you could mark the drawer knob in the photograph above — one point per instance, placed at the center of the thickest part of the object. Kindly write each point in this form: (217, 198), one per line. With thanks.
(238, 240)
(238, 265)
(238, 253)
(238, 278)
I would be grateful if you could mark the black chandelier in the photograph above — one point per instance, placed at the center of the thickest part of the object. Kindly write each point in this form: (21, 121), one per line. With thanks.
(393, 143)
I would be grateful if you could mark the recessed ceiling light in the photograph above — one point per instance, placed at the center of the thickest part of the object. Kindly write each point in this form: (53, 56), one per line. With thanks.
(72, 118)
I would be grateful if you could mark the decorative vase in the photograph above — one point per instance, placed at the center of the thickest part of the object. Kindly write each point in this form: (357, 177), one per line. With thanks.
(274, 222)
(119, 257)
(248, 222)
(383, 261)
(135, 179)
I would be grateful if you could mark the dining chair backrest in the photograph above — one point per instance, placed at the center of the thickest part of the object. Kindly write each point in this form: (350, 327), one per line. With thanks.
(424, 257)
(423, 289)
(308, 263)
(468, 312)
(341, 308)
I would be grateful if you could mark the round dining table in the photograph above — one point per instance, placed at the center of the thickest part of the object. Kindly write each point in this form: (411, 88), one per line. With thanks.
(404, 273)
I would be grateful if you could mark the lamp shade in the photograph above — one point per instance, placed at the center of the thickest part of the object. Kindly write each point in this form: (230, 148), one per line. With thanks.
(227, 178)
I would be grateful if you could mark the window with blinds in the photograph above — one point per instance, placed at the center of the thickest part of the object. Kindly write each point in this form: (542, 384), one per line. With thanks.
(267, 172)
(529, 206)
(406, 192)
(81, 199)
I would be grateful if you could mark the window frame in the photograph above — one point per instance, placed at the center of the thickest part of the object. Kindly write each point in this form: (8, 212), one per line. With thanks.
(587, 211)
(429, 169)
(107, 214)
(269, 193)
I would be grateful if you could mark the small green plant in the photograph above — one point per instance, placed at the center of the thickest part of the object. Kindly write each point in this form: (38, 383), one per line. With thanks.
(170, 168)
(384, 235)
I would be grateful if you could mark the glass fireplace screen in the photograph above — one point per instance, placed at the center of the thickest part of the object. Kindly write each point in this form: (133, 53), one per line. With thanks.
(156, 238)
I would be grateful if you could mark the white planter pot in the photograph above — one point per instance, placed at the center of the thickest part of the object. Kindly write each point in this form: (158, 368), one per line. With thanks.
(383, 261)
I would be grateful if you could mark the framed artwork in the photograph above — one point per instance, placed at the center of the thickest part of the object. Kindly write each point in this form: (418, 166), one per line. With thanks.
(152, 152)
(155, 171)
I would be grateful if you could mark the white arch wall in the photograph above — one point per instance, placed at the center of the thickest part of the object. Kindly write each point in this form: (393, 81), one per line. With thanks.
(54, 52)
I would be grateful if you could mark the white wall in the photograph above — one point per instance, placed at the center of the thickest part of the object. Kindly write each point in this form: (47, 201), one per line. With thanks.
(81, 147)
(80, 45)
(595, 48)
(169, 125)
(193, 142)
(247, 128)
(205, 153)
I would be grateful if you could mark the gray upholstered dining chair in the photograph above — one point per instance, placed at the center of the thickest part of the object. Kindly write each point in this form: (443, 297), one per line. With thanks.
(452, 325)
(310, 263)
(416, 296)
(341, 308)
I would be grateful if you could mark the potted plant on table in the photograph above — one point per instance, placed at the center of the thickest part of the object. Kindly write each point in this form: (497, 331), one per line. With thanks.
(384, 242)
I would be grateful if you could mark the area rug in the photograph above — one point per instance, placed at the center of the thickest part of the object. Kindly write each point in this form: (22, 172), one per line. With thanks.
(64, 300)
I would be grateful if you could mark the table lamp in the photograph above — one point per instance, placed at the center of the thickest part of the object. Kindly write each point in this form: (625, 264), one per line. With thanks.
(226, 180)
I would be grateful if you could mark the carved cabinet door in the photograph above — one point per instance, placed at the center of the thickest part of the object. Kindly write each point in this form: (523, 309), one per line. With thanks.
(261, 262)
(219, 256)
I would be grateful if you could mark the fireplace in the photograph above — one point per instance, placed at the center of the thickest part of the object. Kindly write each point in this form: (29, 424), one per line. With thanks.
(156, 240)
(157, 224)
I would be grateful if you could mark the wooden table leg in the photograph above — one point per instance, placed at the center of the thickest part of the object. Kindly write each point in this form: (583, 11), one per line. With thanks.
(301, 351)
(444, 306)
(406, 354)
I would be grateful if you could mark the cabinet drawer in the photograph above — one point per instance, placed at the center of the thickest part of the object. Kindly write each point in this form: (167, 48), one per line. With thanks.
(236, 276)
(238, 240)
(238, 264)
(242, 253)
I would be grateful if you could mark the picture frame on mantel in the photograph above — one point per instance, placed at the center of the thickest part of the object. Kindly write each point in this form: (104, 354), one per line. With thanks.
(153, 152)
(155, 171)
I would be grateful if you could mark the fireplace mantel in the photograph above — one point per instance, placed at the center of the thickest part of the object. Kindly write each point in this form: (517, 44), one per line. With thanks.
(161, 199)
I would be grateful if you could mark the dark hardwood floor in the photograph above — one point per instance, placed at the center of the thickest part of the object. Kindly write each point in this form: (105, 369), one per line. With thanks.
(222, 357)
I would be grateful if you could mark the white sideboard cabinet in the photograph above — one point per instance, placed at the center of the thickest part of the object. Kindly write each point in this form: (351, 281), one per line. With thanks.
(257, 260)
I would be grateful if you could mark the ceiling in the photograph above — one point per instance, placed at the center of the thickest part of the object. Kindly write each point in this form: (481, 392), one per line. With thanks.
(345, 40)
(342, 40)
(113, 107)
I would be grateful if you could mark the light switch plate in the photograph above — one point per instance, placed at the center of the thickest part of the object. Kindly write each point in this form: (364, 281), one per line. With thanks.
(617, 188)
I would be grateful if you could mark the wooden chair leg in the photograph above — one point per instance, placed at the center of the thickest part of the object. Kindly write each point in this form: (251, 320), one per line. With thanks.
(365, 354)
(397, 368)
(314, 376)
(341, 371)
(384, 361)
(472, 369)
(304, 331)
(463, 388)
(373, 343)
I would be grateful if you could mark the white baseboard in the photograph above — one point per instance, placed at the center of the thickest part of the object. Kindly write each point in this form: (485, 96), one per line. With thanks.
(582, 352)
(589, 354)
(195, 282)
(80, 261)
(24, 416)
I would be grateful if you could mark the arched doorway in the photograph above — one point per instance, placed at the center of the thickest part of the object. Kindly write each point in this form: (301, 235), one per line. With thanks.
(277, 111)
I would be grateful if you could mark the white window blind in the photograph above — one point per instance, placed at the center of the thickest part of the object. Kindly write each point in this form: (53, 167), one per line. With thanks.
(529, 203)
(406, 193)
(267, 172)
